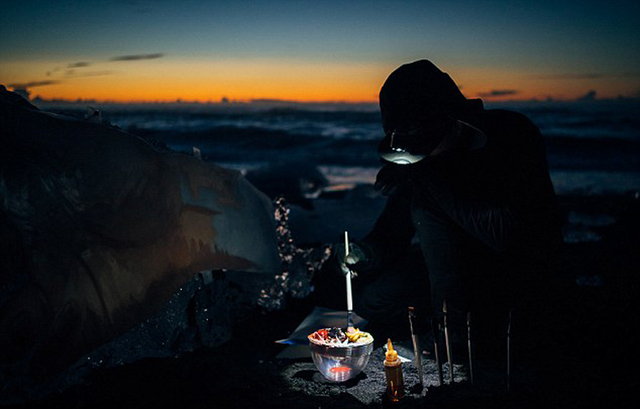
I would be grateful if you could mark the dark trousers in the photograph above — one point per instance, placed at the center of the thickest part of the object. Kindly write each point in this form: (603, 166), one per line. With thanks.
(448, 265)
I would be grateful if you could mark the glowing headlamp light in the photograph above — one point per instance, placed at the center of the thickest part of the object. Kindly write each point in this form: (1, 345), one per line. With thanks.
(406, 147)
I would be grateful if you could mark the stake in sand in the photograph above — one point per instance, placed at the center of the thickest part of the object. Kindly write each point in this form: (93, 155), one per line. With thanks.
(435, 328)
(470, 347)
(447, 344)
(416, 346)
(509, 321)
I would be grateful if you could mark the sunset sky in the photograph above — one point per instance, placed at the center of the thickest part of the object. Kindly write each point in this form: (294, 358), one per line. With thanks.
(321, 50)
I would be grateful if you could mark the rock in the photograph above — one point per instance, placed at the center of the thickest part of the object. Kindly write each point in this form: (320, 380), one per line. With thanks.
(299, 182)
(98, 231)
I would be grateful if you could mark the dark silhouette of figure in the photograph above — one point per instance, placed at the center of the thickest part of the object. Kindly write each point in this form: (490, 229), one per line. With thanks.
(472, 185)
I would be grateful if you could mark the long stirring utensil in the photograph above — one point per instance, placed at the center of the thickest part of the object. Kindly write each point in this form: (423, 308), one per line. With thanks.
(416, 346)
(348, 282)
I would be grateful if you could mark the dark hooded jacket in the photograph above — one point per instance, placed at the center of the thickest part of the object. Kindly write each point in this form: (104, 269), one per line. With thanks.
(498, 200)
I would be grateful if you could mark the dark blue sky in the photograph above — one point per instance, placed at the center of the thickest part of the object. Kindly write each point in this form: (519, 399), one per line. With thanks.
(523, 49)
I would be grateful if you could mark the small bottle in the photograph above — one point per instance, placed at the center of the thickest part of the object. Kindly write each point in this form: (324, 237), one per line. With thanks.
(393, 372)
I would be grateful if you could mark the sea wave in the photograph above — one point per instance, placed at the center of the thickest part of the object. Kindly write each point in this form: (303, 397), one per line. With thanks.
(589, 146)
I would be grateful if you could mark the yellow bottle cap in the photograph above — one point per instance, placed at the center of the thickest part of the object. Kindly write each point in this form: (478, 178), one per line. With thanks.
(391, 354)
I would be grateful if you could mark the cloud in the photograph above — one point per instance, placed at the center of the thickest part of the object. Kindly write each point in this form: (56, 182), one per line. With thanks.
(137, 57)
(31, 84)
(79, 64)
(54, 70)
(572, 76)
(498, 93)
(74, 74)
(586, 76)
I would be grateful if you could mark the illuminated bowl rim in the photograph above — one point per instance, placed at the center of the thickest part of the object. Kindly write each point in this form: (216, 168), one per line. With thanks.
(347, 351)
(322, 344)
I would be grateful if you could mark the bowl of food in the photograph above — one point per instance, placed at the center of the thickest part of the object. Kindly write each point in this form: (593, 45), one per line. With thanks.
(340, 355)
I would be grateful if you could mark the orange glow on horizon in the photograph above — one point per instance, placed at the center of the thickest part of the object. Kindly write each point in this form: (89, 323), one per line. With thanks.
(152, 92)
(244, 81)
(198, 81)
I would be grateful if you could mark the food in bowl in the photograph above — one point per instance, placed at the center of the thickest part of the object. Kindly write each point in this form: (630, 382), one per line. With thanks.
(336, 337)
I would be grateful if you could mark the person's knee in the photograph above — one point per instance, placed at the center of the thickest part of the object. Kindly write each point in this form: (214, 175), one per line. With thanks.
(376, 306)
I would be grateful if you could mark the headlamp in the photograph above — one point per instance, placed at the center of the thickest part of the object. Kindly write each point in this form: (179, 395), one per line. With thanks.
(411, 145)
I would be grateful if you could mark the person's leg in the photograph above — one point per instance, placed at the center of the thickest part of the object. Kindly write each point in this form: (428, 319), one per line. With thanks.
(442, 245)
(445, 248)
(471, 277)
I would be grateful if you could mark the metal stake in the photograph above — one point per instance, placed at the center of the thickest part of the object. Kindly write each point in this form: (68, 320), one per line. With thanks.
(416, 346)
(435, 328)
(509, 321)
(470, 347)
(447, 343)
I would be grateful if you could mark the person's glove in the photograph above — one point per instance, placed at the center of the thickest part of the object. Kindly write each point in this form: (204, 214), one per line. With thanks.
(357, 260)
(392, 176)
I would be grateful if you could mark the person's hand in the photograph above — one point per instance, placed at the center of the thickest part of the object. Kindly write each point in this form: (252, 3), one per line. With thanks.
(391, 176)
(357, 257)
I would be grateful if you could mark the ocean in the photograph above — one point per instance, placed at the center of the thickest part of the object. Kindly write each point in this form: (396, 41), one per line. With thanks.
(593, 147)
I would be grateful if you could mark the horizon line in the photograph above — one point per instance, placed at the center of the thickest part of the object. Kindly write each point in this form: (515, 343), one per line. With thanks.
(268, 101)
(225, 101)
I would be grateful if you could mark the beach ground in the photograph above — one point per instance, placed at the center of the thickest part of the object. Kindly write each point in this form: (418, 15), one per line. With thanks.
(593, 362)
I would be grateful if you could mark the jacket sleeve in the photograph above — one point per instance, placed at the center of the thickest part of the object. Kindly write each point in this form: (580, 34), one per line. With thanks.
(503, 197)
(489, 221)
(393, 230)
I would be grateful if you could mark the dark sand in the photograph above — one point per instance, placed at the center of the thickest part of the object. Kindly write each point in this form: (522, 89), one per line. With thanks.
(590, 360)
